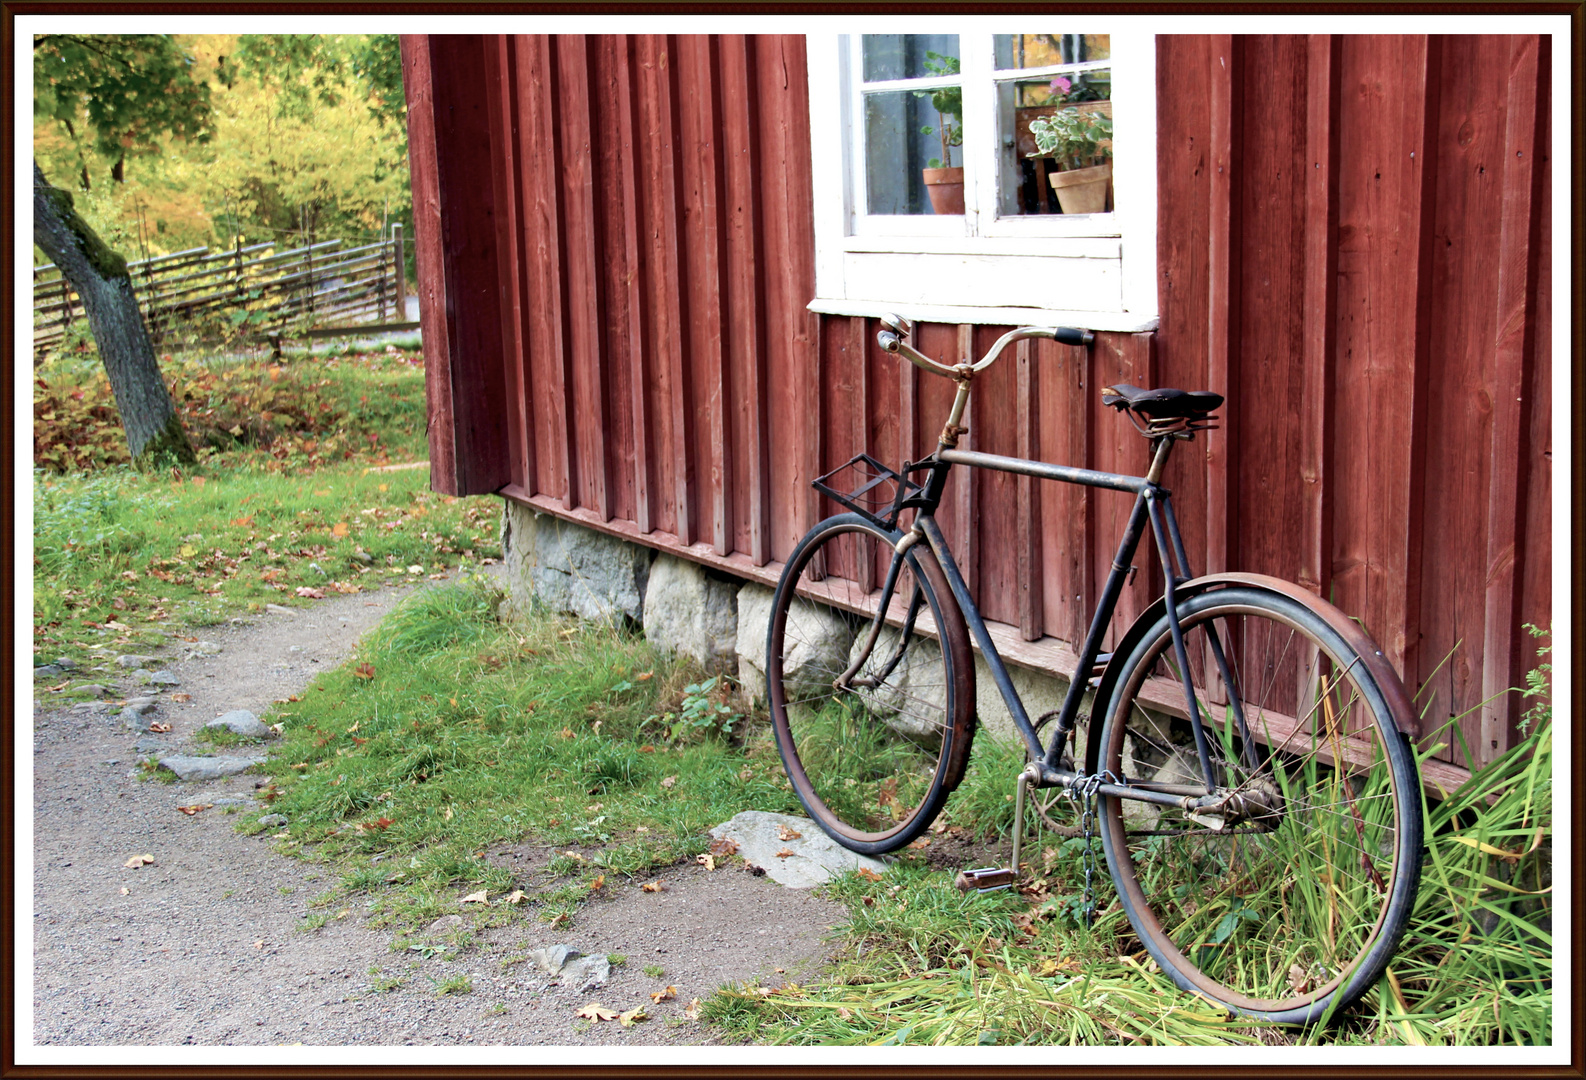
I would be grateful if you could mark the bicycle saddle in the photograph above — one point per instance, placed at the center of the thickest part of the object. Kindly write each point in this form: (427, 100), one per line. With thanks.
(1161, 404)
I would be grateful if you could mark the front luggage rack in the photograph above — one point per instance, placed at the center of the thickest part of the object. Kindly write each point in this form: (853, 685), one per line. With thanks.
(873, 498)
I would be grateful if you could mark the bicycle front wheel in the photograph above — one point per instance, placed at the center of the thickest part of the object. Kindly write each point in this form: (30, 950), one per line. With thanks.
(872, 741)
(1288, 902)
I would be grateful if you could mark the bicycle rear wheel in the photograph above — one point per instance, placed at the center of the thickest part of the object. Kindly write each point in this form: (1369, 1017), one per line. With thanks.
(1292, 905)
(874, 759)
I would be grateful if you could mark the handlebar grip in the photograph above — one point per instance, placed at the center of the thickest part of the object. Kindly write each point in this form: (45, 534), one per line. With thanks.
(887, 340)
(1068, 335)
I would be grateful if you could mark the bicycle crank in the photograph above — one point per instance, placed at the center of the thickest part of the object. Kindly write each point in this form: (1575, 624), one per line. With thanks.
(992, 878)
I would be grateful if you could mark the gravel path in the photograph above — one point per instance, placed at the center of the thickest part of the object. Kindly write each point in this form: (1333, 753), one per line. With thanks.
(203, 946)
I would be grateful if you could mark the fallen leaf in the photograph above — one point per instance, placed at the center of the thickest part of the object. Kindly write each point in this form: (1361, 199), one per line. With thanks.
(659, 996)
(446, 815)
(567, 733)
(188, 551)
(868, 874)
(513, 897)
(258, 944)
(339, 529)
(668, 781)
(596, 1011)
(593, 807)
(644, 676)
(159, 728)
(243, 521)
(653, 886)
(628, 1018)
(843, 1013)
(195, 808)
(724, 847)
(692, 1010)
(362, 671)
(325, 492)
(781, 971)
(343, 913)
(598, 883)
(785, 833)
(125, 891)
(181, 697)
(707, 861)
(646, 749)
(139, 860)
(476, 898)
(575, 856)
(785, 853)
(310, 593)
(922, 842)
(299, 765)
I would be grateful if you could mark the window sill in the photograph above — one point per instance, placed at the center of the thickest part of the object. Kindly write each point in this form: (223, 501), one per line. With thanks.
(1112, 321)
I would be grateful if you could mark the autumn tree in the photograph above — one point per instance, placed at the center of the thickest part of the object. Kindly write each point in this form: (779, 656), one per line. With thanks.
(132, 91)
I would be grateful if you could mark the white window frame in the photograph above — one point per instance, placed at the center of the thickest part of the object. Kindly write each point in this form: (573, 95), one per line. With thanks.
(1092, 270)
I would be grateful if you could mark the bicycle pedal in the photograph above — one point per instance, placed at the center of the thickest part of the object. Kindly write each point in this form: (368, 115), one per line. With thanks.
(986, 879)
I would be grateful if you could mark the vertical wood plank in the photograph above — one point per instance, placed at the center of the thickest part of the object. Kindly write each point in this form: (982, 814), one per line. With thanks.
(1320, 309)
(699, 89)
(1063, 438)
(745, 289)
(1524, 132)
(423, 169)
(1031, 579)
(1425, 173)
(1225, 78)
(636, 329)
(581, 270)
(859, 420)
(550, 346)
(507, 189)
(671, 333)
(612, 157)
(467, 399)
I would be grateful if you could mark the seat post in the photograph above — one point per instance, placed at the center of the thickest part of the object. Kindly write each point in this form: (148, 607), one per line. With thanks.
(1159, 456)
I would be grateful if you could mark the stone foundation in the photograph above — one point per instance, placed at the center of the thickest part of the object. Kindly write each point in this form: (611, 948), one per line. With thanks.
(718, 620)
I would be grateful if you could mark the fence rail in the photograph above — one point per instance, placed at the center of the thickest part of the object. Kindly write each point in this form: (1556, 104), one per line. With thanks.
(263, 291)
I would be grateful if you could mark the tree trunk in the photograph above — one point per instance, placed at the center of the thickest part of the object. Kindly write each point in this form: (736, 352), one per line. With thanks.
(100, 277)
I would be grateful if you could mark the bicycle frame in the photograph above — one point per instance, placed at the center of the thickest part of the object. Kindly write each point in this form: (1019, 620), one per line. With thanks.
(1153, 505)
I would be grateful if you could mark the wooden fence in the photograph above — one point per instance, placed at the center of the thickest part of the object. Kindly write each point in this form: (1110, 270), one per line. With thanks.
(254, 289)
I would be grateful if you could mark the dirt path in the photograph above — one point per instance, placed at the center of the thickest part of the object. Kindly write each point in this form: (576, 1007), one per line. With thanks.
(204, 945)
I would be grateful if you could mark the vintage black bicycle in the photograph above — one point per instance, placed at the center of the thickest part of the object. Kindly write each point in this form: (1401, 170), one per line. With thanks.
(1244, 760)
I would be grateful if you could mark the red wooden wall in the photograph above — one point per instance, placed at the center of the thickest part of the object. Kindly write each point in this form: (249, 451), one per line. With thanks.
(616, 251)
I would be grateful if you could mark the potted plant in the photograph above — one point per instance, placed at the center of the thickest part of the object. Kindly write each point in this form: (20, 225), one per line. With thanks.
(944, 182)
(1082, 144)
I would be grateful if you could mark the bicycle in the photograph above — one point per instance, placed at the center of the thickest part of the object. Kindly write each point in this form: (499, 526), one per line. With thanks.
(1246, 762)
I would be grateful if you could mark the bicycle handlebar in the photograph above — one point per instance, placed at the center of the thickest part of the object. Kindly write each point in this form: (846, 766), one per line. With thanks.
(890, 340)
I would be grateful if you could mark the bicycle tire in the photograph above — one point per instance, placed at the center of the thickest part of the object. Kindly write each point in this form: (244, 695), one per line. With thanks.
(872, 765)
(1294, 912)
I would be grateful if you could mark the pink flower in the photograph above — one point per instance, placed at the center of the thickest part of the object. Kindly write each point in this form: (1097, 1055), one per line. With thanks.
(1061, 85)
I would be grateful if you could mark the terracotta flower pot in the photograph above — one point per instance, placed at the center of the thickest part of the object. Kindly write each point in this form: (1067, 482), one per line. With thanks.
(946, 189)
(1083, 191)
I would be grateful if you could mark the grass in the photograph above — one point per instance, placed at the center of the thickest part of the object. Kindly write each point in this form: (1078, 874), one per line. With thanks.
(120, 556)
(450, 733)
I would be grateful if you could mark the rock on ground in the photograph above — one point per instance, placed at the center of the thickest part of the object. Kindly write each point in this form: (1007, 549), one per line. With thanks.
(191, 768)
(815, 858)
(242, 722)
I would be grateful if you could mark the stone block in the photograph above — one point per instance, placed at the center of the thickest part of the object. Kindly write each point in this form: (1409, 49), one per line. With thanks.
(570, 568)
(689, 610)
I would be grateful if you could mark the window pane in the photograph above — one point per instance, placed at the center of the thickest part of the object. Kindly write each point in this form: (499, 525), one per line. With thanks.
(1016, 51)
(1078, 102)
(904, 56)
(904, 136)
